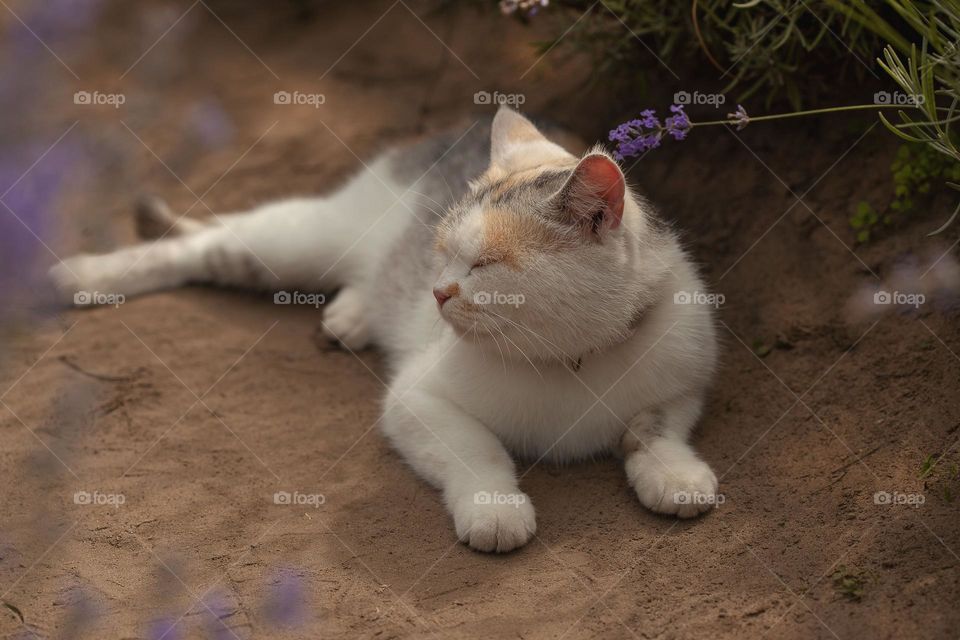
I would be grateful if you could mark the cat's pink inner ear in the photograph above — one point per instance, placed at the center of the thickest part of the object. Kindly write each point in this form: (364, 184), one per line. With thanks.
(598, 177)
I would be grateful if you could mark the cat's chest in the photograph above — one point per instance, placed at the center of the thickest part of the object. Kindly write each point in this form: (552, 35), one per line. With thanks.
(552, 412)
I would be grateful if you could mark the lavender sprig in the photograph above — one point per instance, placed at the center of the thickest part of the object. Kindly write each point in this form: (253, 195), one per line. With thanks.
(636, 137)
(645, 133)
(526, 8)
(740, 117)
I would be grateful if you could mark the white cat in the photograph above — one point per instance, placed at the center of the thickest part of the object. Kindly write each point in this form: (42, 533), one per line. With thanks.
(528, 302)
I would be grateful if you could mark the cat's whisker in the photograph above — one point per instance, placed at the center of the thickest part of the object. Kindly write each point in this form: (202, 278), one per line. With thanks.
(552, 347)
(503, 358)
(440, 205)
(522, 352)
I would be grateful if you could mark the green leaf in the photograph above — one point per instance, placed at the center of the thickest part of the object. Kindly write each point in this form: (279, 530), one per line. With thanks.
(927, 467)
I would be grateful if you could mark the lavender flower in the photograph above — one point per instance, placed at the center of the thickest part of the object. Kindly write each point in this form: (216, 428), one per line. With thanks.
(638, 136)
(164, 629)
(284, 604)
(526, 8)
(740, 116)
(678, 125)
(211, 125)
(218, 608)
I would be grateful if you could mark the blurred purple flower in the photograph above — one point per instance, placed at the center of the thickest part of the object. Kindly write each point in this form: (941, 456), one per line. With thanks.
(284, 603)
(211, 125)
(526, 8)
(164, 629)
(27, 200)
(217, 610)
(52, 21)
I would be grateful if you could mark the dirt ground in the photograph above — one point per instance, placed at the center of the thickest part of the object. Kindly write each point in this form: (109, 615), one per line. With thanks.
(194, 407)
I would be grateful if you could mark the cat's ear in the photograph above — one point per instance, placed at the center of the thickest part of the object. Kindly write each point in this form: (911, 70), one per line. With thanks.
(508, 130)
(593, 195)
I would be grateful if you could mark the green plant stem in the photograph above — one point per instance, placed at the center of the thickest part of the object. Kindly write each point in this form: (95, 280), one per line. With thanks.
(795, 114)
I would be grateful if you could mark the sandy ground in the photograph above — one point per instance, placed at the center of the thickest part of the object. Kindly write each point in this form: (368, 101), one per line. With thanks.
(196, 406)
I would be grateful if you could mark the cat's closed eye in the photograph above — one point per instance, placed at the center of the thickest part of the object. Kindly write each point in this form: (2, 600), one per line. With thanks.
(479, 264)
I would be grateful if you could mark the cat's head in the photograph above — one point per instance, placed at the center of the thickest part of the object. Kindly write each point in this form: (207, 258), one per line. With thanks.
(545, 254)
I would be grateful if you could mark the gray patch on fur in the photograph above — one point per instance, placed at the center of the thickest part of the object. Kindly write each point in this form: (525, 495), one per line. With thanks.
(443, 165)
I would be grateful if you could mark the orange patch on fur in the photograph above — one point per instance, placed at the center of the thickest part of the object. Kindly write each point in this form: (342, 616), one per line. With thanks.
(511, 238)
(452, 290)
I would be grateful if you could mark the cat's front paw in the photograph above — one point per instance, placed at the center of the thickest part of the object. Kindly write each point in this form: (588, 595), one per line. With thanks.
(344, 320)
(495, 521)
(684, 488)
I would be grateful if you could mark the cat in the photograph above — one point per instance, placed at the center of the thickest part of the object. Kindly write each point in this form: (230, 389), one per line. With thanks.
(528, 302)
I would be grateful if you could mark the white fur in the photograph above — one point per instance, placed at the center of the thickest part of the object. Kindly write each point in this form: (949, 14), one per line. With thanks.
(469, 388)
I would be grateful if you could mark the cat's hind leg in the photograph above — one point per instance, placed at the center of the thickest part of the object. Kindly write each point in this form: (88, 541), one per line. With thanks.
(292, 244)
(155, 220)
(211, 255)
(662, 467)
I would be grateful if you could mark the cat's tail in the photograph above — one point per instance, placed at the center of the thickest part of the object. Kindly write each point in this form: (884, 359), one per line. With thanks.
(154, 220)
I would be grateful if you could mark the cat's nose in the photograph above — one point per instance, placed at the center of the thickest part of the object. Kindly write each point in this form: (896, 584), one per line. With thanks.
(441, 295)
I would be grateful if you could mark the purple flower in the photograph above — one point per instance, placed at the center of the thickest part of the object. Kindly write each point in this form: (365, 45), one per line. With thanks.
(284, 604)
(210, 124)
(638, 136)
(164, 629)
(526, 8)
(27, 207)
(678, 125)
(642, 134)
(740, 117)
(649, 119)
